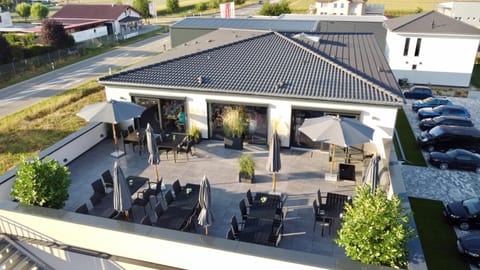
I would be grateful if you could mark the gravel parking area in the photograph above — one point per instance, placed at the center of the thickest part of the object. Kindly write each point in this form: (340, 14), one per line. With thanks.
(433, 183)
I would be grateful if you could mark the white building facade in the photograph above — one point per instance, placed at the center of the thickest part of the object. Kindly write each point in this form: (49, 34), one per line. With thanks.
(467, 12)
(430, 48)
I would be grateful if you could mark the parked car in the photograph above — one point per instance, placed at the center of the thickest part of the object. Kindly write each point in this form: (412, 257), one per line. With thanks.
(429, 123)
(449, 110)
(469, 246)
(418, 92)
(465, 213)
(457, 159)
(443, 138)
(430, 102)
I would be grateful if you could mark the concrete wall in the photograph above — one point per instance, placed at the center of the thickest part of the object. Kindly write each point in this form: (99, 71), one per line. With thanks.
(443, 60)
(381, 118)
(90, 33)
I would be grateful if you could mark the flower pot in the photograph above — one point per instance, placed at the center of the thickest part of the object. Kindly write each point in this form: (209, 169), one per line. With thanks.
(233, 143)
(245, 178)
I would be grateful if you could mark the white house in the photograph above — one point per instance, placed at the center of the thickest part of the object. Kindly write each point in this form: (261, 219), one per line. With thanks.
(279, 78)
(347, 7)
(431, 48)
(5, 19)
(467, 12)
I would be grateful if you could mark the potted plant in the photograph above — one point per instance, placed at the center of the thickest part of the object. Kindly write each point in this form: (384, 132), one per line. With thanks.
(41, 183)
(234, 128)
(247, 169)
(195, 134)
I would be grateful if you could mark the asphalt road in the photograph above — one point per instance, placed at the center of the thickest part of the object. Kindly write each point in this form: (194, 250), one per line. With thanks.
(27, 93)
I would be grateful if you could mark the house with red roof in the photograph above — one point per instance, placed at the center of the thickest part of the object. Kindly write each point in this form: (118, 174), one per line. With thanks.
(91, 21)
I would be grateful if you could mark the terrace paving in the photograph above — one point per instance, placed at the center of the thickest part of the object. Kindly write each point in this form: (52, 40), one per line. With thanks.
(302, 174)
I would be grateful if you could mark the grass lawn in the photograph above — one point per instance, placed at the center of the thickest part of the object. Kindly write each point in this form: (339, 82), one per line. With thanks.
(413, 154)
(28, 132)
(436, 235)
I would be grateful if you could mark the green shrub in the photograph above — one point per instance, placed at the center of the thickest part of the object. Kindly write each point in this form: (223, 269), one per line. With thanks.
(233, 124)
(275, 9)
(247, 165)
(172, 6)
(194, 132)
(375, 230)
(201, 7)
(41, 183)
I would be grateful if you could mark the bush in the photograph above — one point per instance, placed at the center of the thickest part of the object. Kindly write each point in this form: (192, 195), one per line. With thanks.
(142, 7)
(54, 34)
(201, 6)
(275, 9)
(239, 2)
(23, 10)
(41, 183)
(233, 124)
(195, 134)
(375, 230)
(5, 51)
(247, 165)
(172, 5)
(39, 11)
(214, 3)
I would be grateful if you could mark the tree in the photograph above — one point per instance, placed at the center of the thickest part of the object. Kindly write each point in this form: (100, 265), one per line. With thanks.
(375, 230)
(39, 11)
(23, 10)
(172, 5)
(6, 4)
(54, 34)
(5, 51)
(142, 7)
(275, 9)
(41, 183)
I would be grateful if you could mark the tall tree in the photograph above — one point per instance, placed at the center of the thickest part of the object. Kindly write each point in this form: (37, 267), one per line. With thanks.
(54, 34)
(375, 230)
(39, 11)
(5, 51)
(23, 10)
(142, 7)
(275, 9)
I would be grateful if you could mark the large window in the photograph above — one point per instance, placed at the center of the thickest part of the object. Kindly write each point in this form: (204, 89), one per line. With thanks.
(417, 47)
(162, 113)
(298, 139)
(405, 48)
(255, 121)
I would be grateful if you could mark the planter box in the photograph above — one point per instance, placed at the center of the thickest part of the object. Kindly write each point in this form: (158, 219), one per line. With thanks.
(233, 143)
(244, 178)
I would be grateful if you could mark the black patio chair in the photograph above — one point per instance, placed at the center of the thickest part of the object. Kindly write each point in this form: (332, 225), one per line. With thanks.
(243, 211)
(98, 192)
(82, 209)
(320, 217)
(234, 226)
(275, 237)
(146, 221)
(177, 188)
(185, 146)
(142, 199)
(107, 179)
(230, 235)
(130, 129)
(190, 225)
(279, 220)
(169, 197)
(157, 190)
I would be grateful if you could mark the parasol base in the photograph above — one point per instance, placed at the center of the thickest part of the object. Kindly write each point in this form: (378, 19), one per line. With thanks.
(117, 154)
(331, 177)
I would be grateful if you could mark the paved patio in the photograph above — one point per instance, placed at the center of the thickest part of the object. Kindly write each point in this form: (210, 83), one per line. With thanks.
(302, 174)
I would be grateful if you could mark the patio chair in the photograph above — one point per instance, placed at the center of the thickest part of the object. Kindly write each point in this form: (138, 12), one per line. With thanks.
(279, 220)
(230, 234)
(177, 188)
(120, 216)
(130, 129)
(234, 226)
(82, 209)
(143, 200)
(320, 217)
(185, 146)
(98, 192)
(159, 209)
(249, 198)
(107, 179)
(190, 225)
(322, 205)
(276, 236)
(146, 221)
(141, 143)
(169, 197)
(157, 190)
(243, 211)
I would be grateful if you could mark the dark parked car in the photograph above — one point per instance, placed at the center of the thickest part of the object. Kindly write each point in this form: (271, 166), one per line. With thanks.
(418, 92)
(443, 138)
(430, 102)
(465, 214)
(449, 110)
(469, 246)
(456, 159)
(429, 123)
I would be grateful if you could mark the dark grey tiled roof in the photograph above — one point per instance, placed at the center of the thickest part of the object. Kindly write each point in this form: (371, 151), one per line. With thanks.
(343, 67)
(430, 22)
(250, 23)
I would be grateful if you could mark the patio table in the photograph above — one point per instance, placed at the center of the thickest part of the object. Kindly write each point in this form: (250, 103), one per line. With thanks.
(170, 142)
(256, 231)
(265, 209)
(178, 212)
